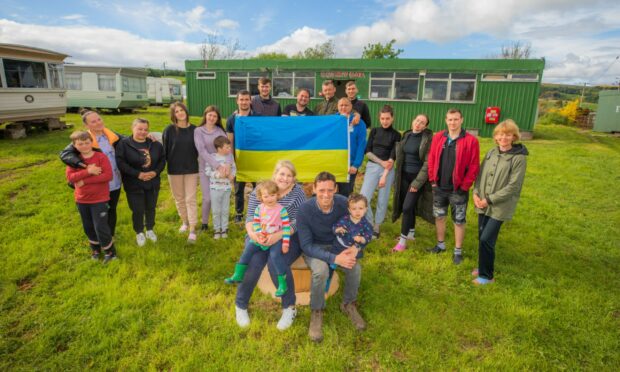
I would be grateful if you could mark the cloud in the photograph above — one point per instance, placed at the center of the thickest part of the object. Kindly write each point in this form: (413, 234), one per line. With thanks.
(227, 23)
(299, 40)
(74, 17)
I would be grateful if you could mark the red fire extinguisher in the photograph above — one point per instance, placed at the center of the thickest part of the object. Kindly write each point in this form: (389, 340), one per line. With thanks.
(491, 115)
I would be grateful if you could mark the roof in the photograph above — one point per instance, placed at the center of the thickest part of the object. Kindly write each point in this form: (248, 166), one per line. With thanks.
(23, 51)
(106, 69)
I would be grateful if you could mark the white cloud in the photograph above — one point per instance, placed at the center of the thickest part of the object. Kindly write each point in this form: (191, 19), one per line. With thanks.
(299, 40)
(227, 23)
(74, 17)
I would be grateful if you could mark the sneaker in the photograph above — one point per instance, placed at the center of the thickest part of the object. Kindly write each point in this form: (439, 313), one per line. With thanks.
(375, 232)
(150, 235)
(482, 281)
(457, 259)
(238, 218)
(242, 316)
(109, 257)
(183, 228)
(411, 236)
(475, 272)
(398, 247)
(351, 310)
(217, 235)
(141, 240)
(288, 315)
(95, 255)
(191, 239)
(204, 227)
(224, 234)
(315, 330)
(436, 249)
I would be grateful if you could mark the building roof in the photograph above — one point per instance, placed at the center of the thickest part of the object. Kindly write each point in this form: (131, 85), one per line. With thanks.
(23, 51)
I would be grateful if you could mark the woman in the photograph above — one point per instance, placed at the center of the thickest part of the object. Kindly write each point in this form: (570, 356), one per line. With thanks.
(290, 196)
(496, 193)
(106, 141)
(141, 160)
(182, 159)
(381, 153)
(210, 128)
(357, 138)
(412, 192)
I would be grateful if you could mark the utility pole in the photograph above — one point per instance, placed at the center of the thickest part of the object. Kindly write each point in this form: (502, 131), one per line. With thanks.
(582, 93)
(164, 68)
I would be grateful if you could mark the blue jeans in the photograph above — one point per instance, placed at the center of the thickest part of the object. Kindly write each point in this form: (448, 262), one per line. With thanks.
(255, 268)
(371, 182)
(488, 231)
(275, 254)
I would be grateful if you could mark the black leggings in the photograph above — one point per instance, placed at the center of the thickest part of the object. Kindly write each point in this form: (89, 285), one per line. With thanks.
(142, 207)
(410, 200)
(114, 196)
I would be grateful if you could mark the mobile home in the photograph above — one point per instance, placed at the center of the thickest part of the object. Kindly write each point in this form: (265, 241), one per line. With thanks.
(122, 88)
(482, 89)
(163, 91)
(31, 85)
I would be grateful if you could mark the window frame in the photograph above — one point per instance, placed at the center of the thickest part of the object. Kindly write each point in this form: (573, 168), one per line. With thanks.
(509, 77)
(392, 90)
(59, 69)
(45, 70)
(294, 79)
(67, 80)
(449, 81)
(206, 75)
(249, 76)
(99, 75)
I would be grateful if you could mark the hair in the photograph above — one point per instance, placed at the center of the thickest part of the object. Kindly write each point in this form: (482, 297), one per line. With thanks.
(84, 113)
(212, 108)
(428, 121)
(302, 90)
(173, 106)
(387, 109)
(220, 141)
(345, 99)
(454, 111)
(80, 135)
(267, 186)
(328, 82)
(349, 83)
(244, 93)
(285, 164)
(324, 176)
(264, 80)
(137, 121)
(508, 126)
(355, 197)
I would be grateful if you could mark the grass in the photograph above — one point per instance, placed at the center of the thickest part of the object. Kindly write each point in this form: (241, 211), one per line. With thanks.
(556, 303)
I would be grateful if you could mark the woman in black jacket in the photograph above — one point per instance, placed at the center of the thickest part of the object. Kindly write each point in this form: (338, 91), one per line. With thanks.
(141, 160)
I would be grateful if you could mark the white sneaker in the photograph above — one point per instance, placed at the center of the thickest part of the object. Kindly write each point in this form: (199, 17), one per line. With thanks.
(141, 239)
(243, 319)
(411, 236)
(183, 228)
(150, 235)
(288, 315)
(224, 234)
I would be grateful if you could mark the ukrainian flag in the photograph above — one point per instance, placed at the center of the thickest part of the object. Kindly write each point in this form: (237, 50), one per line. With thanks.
(313, 143)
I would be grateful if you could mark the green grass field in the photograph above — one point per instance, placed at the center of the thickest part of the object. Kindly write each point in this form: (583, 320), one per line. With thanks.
(556, 303)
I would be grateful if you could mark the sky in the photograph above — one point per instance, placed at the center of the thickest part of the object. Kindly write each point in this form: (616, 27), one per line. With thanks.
(580, 40)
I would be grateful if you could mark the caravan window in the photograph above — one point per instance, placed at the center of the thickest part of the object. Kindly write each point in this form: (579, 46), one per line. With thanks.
(74, 80)
(56, 75)
(24, 74)
(134, 84)
(107, 82)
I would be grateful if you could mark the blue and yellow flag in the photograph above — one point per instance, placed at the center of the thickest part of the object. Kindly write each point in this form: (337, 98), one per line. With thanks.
(313, 143)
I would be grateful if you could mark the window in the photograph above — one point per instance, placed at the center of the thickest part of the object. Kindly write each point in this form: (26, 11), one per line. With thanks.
(394, 85)
(453, 87)
(107, 82)
(56, 71)
(175, 90)
(25, 74)
(238, 81)
(134, 84)
(74, 81)
(201, 75)
(510, 77)
(286, 84)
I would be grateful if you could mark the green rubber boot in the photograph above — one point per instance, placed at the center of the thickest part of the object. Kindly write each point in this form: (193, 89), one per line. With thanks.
(282, 287)
(237, 277)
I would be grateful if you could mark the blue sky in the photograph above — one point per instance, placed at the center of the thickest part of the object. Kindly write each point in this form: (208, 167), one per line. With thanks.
(579, 40)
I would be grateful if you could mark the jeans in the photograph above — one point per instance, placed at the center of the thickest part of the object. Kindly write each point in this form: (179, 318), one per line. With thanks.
(371, 182)
(114, 196)
(488, 231)
(275, 255)
(320, 273)
(142, 207)
(346, 188)
(255, 268)
(220, 204)
(95, 223)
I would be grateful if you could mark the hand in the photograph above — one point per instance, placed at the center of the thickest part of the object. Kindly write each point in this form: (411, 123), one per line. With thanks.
(231, 178)
(79, 183)
(390, 164)
(356, 119)
(273, 238)
(142, 176)
(382, 182)
(483, 204)
(284, 248)
(359, 239)
(152, 137)
(352, 170)
(93, 169)
(223, 170)
(345, 259)
(260, 238)
(340, 230)
(413, 189)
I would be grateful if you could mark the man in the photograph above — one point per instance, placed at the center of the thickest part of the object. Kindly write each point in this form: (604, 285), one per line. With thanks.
(243, 109)
(301, 107)
(329, 105)
(263, 104)
(358, 105)
(315, 219)
(453, 165)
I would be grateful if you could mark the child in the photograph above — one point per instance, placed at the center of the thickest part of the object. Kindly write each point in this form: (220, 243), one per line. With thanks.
(220, 187)
(351, 230)
(269, 218)
(92, 193)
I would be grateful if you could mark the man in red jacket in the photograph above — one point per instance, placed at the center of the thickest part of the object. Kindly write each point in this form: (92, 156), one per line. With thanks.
(453, 165)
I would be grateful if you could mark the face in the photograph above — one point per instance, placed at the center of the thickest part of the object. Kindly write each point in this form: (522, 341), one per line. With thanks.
(243, 102)
(211, 118)
(303, 98)
(180, 114)
(94, 122)
(264, 89)
(454, 121)
(504, 139)
(351, 91)
(140, 131)
(225, 150)
(357, 209)
(345, 107)
(269, 199)
(419, 123)
(284, 178)
(328, 91)
(325, 191)
(386, 119)
(83, 146)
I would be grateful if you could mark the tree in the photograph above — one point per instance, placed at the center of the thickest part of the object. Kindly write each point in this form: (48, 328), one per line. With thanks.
(516, 50)
(218, 47)
(319, 51)
(271, 55)
(380, 51)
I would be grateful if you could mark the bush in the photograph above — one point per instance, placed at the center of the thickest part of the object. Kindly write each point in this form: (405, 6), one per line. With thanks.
(553, 118)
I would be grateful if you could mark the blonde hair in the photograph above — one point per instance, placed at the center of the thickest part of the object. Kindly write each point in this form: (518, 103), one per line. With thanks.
(268, 187)
(288, 165)
(508, 126)
(137, 121)
(80, 135)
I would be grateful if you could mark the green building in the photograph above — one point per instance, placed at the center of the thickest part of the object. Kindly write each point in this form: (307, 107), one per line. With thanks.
(411, 86)
(608, 112)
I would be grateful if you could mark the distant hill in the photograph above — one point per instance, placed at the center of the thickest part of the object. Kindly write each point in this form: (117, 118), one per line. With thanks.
(570, 92)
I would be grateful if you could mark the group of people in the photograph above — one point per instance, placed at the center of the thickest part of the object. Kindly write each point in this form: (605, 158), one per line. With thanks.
(430, 174)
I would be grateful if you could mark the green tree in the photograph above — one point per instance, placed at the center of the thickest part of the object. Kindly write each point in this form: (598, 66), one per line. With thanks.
(381, 51)
(271, 55)
(319, 51)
